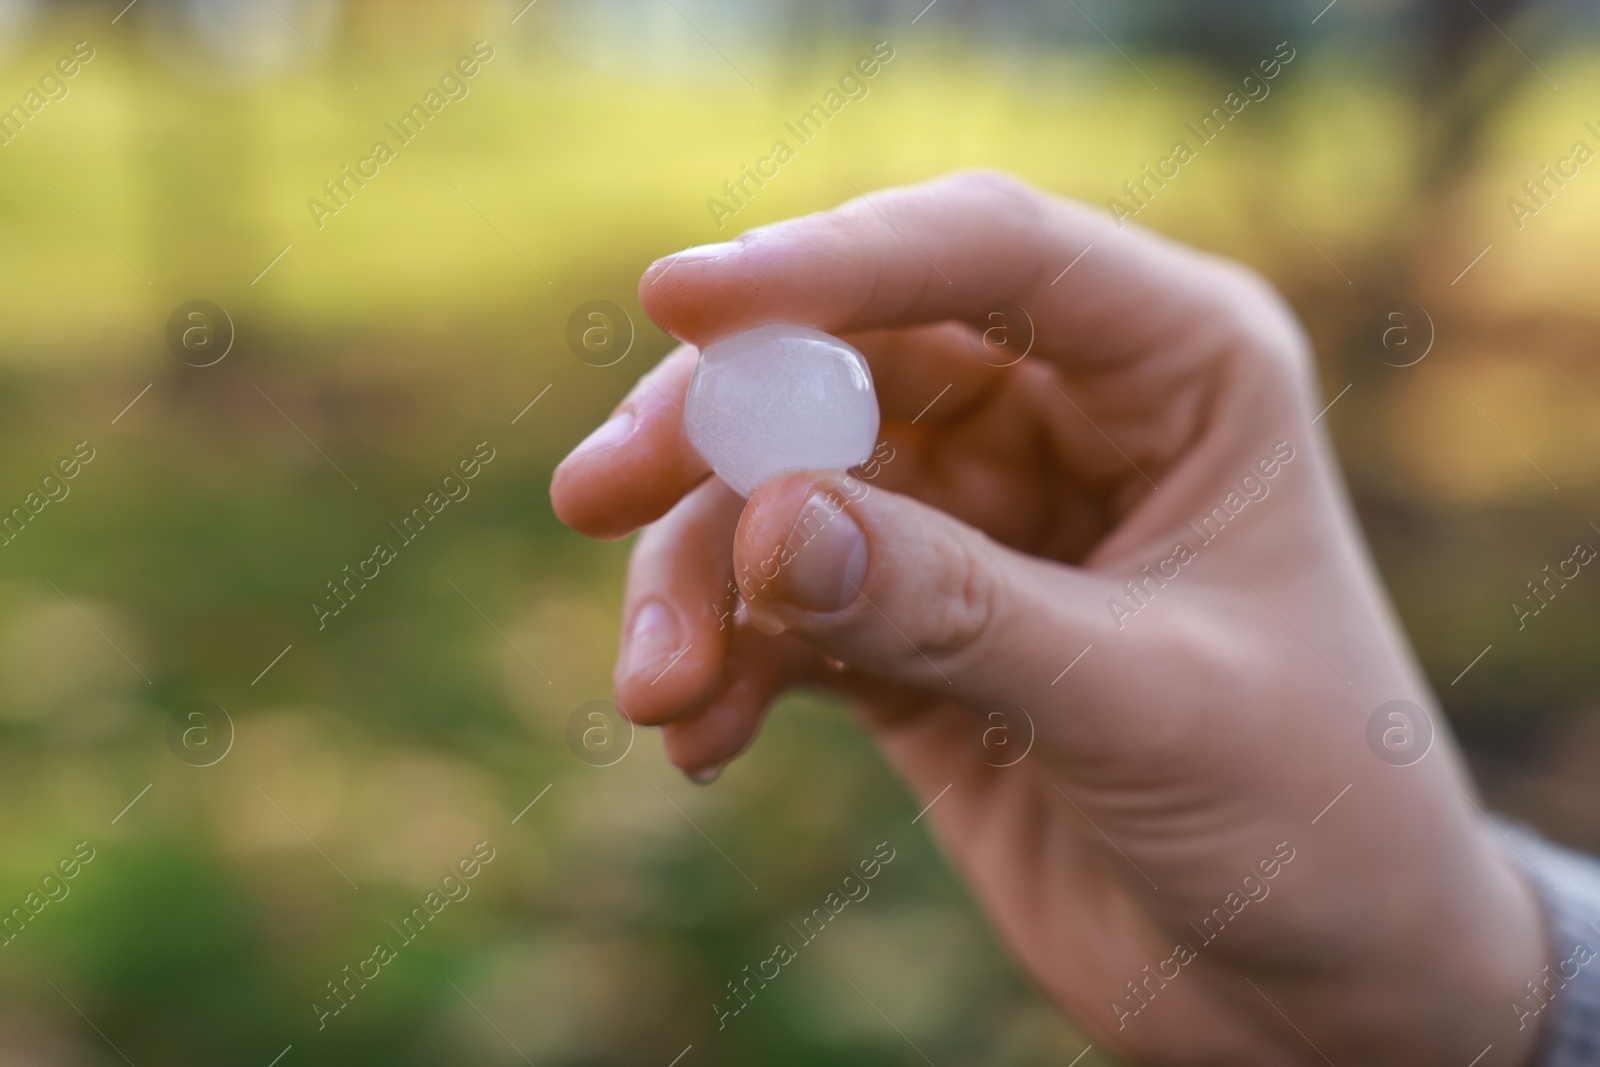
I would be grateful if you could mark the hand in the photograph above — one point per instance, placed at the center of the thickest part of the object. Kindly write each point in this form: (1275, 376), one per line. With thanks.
(1143, 497)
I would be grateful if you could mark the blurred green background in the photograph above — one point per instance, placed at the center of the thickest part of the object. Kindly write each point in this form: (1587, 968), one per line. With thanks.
(425, 317)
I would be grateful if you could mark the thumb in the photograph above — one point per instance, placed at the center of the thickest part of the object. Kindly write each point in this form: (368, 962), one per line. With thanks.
(905, 593)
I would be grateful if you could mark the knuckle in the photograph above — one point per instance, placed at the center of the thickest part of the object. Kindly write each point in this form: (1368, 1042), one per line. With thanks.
(988, 191)
(997, 191)
(964, 605)
(1260, 328)
(1261, 312)
(995, 183)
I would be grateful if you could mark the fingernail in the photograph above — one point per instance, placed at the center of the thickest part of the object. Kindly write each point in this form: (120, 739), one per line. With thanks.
(829, 557)
(610, 434)
(764, 624)
(655, 636)
(703, 253)
(705, 775)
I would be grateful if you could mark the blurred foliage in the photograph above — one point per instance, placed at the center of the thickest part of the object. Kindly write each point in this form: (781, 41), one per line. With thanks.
(423, 318)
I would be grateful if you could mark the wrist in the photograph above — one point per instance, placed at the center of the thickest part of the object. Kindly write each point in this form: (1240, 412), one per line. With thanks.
(1435, 975)
(1561, 1005)
(1518, 982)
(1481, 950)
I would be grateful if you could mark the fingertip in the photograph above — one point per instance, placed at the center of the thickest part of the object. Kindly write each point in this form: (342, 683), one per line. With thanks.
(775, 504)
(757, 670)
(579, 485)
(674, 293)
(671, 687)
(567, 500)
(629, 472)
(798, 547)
(671, 660)
(680, 608)
(707, 741)
(577, 507)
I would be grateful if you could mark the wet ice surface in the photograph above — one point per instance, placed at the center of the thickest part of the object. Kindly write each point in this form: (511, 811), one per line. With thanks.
(781, 398)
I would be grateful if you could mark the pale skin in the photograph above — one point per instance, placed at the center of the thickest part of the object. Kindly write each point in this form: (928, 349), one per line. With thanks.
(1198, 736)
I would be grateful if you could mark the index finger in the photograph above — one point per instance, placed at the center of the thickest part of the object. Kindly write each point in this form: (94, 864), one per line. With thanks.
(954, 248)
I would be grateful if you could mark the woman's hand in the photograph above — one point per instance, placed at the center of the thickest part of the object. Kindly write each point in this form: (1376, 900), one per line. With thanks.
(1132, 543)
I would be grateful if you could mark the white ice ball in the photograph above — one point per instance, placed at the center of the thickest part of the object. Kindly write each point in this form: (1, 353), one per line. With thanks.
(781, 398)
